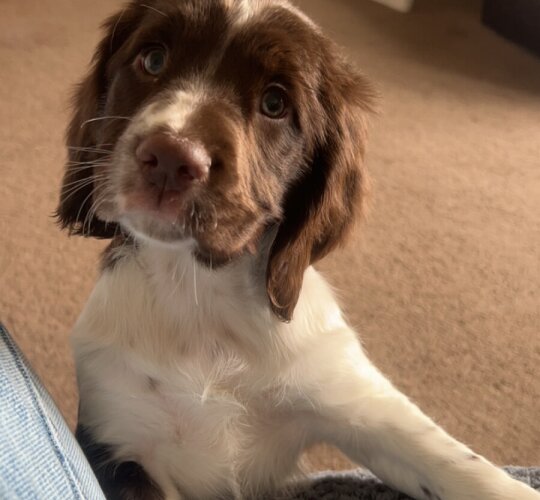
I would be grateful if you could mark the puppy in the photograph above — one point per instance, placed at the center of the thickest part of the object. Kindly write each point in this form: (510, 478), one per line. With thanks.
(219, 145)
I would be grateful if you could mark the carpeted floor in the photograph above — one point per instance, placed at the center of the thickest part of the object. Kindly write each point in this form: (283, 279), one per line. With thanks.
(442, 281)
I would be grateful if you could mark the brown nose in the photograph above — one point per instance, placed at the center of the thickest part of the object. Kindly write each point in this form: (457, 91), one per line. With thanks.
(172, 163)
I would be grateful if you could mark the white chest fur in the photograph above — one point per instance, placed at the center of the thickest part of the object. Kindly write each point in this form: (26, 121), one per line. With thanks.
(186, 371)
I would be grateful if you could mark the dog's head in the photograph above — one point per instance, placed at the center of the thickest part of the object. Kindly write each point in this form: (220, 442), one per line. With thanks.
(218, 121)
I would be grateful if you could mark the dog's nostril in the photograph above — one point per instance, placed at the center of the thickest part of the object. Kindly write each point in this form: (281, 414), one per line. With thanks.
(185, 171)
(172, 163)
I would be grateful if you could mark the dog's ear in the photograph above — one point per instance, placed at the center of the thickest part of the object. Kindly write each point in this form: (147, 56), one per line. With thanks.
(84, 150)
(321, 206)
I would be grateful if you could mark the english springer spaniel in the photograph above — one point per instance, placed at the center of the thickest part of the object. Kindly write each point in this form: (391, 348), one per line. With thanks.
(219, 145)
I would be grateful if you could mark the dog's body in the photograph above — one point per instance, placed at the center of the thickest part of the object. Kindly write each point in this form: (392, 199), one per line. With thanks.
(185, 371)
(211, 353)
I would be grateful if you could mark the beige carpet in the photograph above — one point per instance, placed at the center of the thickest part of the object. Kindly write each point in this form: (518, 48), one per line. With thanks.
(443, 281)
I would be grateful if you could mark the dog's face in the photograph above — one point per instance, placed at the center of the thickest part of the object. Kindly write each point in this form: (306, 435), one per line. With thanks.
(216, 121)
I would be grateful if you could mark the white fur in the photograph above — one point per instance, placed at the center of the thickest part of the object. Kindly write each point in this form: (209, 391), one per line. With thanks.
(245, 10)
(186, 370)
(174, 114)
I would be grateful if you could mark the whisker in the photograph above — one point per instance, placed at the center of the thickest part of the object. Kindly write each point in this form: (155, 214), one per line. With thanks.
(93, 177)
(183, 273)
(215, 225)
(89, 149)
(82, 170)
(177, 282)
(195, 282)
(86, 166)
(85, 162)
(96, 203)
(75, 189)
(111, 46)
(100, 145)
(78, 182)
(87, 218)
(99, 118)
(102, 198)
(154, 9)
(84, 203)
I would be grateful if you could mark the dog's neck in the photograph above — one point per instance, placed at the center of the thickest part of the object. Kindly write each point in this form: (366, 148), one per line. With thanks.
(164, 303)
(159, 302)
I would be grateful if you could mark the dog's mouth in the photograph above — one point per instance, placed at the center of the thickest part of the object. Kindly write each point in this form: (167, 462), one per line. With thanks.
(165, 206)
(163, 215)
(160, 186)
(217, 234)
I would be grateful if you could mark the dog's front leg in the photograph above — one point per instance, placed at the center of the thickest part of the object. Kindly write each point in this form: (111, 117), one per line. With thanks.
(378, 427)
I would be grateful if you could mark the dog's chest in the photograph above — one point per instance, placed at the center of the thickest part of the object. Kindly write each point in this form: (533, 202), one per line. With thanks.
(200, 427)
(190, 406)
(169, 378)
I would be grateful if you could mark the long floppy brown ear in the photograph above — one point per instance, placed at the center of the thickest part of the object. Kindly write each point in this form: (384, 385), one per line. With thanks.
(320, 208)
(76, 194)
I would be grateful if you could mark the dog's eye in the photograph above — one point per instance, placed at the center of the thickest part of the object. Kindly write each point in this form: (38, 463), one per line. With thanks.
(274, 102)
(153, 61)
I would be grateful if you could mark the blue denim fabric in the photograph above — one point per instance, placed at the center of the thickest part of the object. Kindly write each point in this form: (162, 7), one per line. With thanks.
(39, 457)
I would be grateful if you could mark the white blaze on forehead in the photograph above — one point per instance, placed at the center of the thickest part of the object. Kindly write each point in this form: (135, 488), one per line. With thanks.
(171, 113)
(244, 10)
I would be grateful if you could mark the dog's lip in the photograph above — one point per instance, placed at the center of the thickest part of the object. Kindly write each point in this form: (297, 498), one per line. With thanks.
(169, 238)
(154, 225)
(169, 198)
(168, 205)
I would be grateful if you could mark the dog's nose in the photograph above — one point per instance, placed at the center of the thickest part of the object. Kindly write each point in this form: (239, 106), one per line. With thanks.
(172, 163)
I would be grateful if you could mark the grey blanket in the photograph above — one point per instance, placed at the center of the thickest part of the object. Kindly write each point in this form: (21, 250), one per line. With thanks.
(361, 485)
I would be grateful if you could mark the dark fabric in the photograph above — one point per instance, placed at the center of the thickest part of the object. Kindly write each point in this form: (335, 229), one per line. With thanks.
(518, 20)
(361, 485)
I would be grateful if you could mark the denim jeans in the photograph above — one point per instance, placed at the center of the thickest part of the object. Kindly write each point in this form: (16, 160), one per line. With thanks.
(39, 457)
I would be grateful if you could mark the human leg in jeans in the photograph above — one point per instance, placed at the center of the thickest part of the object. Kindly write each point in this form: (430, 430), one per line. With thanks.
(39, 457)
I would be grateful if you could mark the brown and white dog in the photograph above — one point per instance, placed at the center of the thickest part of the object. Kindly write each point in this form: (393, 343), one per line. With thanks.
(219, 144)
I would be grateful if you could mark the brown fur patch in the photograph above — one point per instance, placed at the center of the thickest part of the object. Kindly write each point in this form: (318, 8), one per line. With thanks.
(301, 173)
